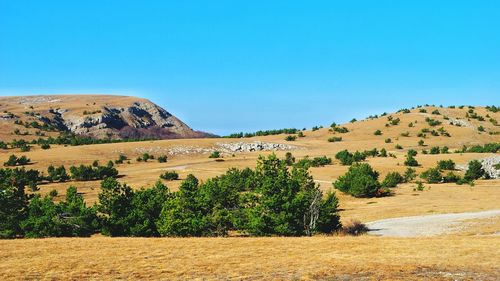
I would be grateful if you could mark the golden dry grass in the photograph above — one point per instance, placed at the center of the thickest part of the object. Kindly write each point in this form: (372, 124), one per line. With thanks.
(327, 258)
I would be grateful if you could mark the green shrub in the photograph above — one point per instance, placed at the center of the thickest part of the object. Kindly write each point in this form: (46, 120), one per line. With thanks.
(170, 175)
(290, 138)
(432, 175)
(57, 174)
(451, 177)
(410, 174)
(16, 161)
(435, 150)
(162, 158)
(378, 133)
(347, 158)
(45, 146)
(392, 179)
(446, 165)
(91, 172)
(359, 181)
(474, 171)
(334, 139)
(215, 154)
(121, 158)
(420, 186)
(289, 159)
(411, 161)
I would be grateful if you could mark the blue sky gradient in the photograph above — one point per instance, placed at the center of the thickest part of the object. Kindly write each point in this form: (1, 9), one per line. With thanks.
(228, 66)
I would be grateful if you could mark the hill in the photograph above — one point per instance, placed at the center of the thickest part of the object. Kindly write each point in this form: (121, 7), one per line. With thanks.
(436, 133)
(96, 116)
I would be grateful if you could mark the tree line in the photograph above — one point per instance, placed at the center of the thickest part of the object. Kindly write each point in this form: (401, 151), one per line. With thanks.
(272, 199)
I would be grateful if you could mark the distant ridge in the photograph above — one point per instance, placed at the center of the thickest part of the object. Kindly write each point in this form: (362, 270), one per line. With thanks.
(96, 116)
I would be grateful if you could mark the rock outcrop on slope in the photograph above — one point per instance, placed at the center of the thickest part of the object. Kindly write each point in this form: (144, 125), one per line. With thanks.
(97, 116)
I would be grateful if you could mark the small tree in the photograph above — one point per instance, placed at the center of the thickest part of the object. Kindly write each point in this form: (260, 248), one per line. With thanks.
(392, 179)
(215, 154)
(289, 159)
(432, 175)
(474, 171)
(446, 165)
(170, 175)
(411, 161)
(410, 174)
(359, 181)
(162, 158)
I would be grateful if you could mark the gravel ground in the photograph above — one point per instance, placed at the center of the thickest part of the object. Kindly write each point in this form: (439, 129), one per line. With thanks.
(430, 225)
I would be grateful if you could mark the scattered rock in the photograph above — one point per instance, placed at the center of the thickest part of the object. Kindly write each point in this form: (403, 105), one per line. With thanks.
(254, 146)
(223, 147)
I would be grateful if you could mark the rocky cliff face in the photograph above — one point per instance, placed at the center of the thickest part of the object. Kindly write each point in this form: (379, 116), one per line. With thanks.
(100, 116)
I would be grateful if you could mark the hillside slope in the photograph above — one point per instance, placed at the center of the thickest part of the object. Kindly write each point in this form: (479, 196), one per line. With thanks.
(98, 116)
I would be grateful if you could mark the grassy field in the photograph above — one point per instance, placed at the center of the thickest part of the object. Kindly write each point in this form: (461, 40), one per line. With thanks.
(462, 256)
(316, 258)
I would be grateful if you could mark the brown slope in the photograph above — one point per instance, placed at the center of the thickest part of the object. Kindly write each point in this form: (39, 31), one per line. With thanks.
(98, 116)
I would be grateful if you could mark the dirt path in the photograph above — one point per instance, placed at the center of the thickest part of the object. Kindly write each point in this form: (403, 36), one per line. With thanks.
(430, 225)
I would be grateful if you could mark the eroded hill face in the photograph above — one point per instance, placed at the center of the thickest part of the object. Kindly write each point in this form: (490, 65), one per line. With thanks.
(97, 116)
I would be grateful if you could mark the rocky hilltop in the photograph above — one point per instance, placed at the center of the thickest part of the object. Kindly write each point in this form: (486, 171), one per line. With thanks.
(97, 116)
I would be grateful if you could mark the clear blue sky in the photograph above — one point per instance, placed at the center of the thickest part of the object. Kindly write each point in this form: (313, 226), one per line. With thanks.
(227, 66)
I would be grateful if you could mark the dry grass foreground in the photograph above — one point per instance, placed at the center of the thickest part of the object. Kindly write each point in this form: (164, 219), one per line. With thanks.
(315, 258)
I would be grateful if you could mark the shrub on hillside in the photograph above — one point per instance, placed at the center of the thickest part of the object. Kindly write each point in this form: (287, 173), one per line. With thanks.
(410, 174)
(347, 158)
(57, 174)
(432, 175)
(289, 159)
(334, 139)
(170, 175)
(360, 181)
(215, 154)
(474, 171)
(16, 161)
(446, 165)
(92, 172)
(411, 161)
(162, 158)
(392, 179)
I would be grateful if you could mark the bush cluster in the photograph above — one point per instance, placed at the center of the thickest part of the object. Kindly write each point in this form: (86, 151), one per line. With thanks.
(307, 162)
(16, 161)
(269, 200)
(93, 172)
